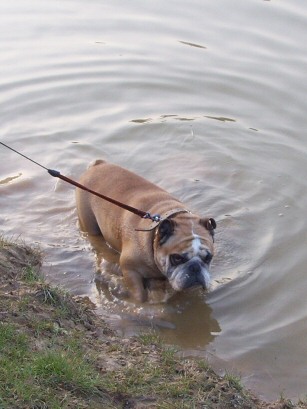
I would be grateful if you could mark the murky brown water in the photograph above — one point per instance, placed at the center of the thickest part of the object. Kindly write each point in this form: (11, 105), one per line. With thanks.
(207, 99)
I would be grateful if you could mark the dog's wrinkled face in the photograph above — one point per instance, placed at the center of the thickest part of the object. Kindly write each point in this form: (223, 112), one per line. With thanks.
(184, 250)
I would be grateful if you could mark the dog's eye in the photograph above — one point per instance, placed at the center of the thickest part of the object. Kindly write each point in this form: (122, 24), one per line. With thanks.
(208, 258)
(177, 259)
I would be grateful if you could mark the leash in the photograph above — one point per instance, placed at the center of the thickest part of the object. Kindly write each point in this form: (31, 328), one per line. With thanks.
(156, 218)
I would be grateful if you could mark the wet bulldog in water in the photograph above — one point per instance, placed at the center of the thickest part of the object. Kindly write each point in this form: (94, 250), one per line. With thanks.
(177, 250)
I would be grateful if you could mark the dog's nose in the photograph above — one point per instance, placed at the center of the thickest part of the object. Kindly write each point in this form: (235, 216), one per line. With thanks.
(194, 267)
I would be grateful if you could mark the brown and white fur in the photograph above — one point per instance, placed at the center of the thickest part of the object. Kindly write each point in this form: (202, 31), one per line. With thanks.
(179, 249)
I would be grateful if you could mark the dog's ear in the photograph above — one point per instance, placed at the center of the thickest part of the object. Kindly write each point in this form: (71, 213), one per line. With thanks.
(209, 224)
(165, 230)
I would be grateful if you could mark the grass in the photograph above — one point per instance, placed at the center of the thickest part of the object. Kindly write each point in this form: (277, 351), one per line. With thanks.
(31, 379)
(234, 381)
(42, 360)
(12, 343)
(150, 338)
(67, 369)
(15, 368)
(30, 275)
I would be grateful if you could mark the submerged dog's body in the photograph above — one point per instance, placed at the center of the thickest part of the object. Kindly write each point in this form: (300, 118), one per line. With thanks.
(179, 249)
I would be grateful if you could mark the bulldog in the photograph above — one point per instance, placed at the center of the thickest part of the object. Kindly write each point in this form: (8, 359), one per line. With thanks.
(176, 249)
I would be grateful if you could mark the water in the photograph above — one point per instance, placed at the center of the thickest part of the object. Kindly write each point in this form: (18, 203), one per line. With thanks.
(207, 99)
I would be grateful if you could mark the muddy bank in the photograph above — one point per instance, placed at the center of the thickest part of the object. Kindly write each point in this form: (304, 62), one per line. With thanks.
(55, 352)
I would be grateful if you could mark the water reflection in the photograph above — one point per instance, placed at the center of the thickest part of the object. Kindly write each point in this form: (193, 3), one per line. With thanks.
(193, 320)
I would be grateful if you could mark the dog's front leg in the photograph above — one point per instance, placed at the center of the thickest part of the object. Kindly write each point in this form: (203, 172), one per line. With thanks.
(135, 284)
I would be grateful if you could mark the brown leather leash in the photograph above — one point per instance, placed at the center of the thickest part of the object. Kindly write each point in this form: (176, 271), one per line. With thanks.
(156, 218)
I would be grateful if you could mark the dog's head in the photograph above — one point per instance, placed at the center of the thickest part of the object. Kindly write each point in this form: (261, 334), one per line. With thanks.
(183, 250)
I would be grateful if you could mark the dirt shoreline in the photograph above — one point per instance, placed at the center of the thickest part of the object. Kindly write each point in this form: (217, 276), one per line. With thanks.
(55, 352)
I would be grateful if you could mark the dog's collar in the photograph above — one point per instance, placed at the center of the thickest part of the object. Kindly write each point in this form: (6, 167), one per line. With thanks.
(166, 215)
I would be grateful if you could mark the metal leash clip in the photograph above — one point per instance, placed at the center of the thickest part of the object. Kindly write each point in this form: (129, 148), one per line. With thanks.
(155, 218)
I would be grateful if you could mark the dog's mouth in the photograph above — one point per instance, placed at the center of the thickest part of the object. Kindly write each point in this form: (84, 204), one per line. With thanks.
(180, 288)
(183, 281)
